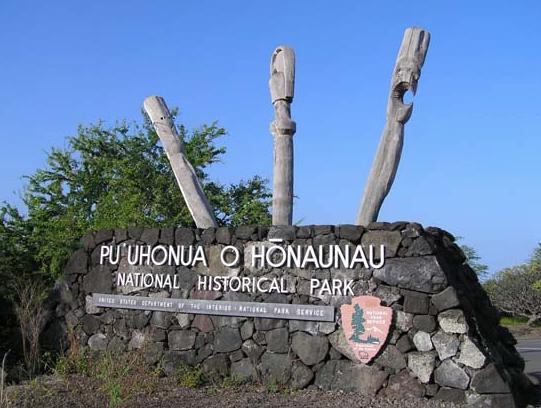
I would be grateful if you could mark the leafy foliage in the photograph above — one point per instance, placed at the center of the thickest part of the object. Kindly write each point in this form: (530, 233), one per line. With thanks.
(474, 260)
(515, 290)
(110, 177)
(120, 177)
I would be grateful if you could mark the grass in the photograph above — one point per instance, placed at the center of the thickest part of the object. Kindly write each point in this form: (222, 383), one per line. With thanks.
(232, 382)
(274, 387)
(513, 321)
(121, 376)
(189, 377)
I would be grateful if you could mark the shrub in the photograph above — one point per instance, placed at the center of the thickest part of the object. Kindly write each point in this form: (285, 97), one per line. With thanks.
(189, 377)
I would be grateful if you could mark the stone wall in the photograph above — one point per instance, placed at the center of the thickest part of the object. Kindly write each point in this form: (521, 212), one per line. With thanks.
(445, 341)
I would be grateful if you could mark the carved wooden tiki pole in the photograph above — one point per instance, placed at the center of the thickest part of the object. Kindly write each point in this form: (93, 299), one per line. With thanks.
(187, 180)
(407, 71)
(281, 84)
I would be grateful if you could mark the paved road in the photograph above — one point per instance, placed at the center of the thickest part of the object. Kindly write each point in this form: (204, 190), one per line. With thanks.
(530, 349)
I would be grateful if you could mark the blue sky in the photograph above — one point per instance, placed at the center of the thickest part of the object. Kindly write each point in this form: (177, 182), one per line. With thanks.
(471, 159)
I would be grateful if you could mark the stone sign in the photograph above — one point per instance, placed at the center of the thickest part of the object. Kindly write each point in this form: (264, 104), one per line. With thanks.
(427, 327)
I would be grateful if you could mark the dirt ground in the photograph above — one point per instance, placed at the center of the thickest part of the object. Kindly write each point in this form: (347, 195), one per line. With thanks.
(76, 391)
(80, 391)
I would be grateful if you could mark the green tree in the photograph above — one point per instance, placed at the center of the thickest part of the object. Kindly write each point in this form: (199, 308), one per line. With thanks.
(517, 290)
(535, 265)
(474, 260)
(108, 177)
(357, 323)
(117, 177)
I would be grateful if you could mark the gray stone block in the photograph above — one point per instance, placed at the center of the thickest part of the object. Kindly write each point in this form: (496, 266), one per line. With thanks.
(98, 280)
(420, 247)
(422, 365)
(351, 377)
(489, 381)
(283, 232)
(208, 236)
(167, 236)
(446, 344)
(352, 233)
(422, 341)
(310, 349)
(425, 323)
(216, 367)
(152, 352)
(224, 235)
(453, 321)
(322, 229)
(275, 368)
(304, 232)
(252, 349)
(98, 342)
(78, 263)
(245, 231)
(150, 236)
(137, 341)
(301, 376)
(277, 340)
(403, 321)
(390, 239)
(227, 339)
(90, 324)
(404, 344)
(247, 330)
(403, 385)
(450, 395)
(449, 374)
(173, 359)
(184, 236)
(391, 357)
(422, 274)
(103, 236)
(181, 339)
(415, 302)
(446, 299)
(491, 400)
(244, 370)
(388, 294)
(470, 355)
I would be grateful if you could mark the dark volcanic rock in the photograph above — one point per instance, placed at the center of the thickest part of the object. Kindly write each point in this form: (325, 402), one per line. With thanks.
(348, 376)
(181, 339)
(424, 323)
(446, 299)
(277, 340)
(403, 385)
(489, 381)
(227, 339)
(310, 349)
(415, 302)
(422, 274)
(275, 368)
(98, 280)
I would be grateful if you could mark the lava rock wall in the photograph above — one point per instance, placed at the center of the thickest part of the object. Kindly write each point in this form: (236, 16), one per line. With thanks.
(444, 343)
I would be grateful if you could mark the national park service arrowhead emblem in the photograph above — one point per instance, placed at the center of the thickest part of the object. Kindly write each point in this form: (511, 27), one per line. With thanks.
(366, 326)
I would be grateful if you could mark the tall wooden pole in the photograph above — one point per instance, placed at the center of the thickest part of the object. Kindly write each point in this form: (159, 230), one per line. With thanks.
(281, 84)
(187, 180)
(407, 71)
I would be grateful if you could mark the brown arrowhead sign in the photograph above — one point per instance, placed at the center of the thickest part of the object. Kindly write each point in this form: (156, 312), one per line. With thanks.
(366, 326)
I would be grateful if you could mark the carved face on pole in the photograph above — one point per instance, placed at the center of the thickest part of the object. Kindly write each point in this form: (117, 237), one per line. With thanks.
(282, 74)
(407, 72)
